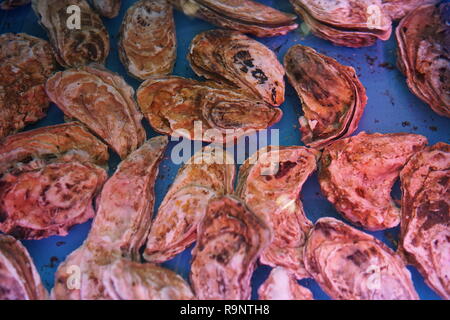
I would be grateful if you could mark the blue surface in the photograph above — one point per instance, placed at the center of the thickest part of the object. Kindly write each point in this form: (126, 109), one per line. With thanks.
(391, 108)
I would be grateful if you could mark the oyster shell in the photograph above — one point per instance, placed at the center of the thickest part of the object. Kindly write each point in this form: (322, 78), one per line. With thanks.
(270, 182)
(107, 8)
(230, 239)
(175, 106)
(349, 264)
(147, 45)
(356, 174)
(242, 15)
(282, 285)
(351, 23)
(119, 229)
(150, 282)
(19, 279)
(49, 178)
(423, 39)
(101, 100)
(333, 99)
(235, 59)
(25, 64)
(425, 225)
(11, 4)
(73, 47)
(209, 173)
(397, 9)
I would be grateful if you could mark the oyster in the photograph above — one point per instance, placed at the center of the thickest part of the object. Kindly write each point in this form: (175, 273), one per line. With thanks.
(119, 229)
(209, 173)
(333, 99)
(423, 39)
(49, 178)
(397, 9)
(147, 45)
(19, 279)
(282, 285)
(73, 47)
(11, 4)
(270, 182)
(184, 107)
(351, 23)
(150, 282)
(235, 59)
(349, 264)
(25, 64)
(107, 8)
(101, 100)
(230, 239)
(425, 225)
(357, 174)
(245, 16)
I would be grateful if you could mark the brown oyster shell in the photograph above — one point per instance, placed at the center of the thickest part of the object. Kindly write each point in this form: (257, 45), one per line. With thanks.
(425, 225)
(19, 279)
(270, 182)
(101, 100)
(333, 99)
(423, 39)
(209, 173)
(174, 105)
(235, 59)
(282, 285)
(346, 22)
(11, 4)
(147, 45)
(230, 239)
(107, 8)
(25, 64)
(73, 48)
(49, 178)
(120, 227)
(397, 9)
(349, 264)
(241, 15)
(356, 174)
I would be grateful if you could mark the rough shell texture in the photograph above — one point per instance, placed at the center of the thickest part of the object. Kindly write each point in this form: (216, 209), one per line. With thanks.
(73, 47)
(107, 8)
(230, 239)
(397, 9)
(209, 173)
(11, 4)
(333, 99)
(352, 23)
(282, 285)
(351, 265)
(240, 15)
(101, 100)
(19, 279)
(235, 59)
(120, 227)
(25, 64)
(147, 45)
(270, 183)
(184, 107)
(150, 282)
(49, 178)
(425, 225)
(423, 39)
(357, 174)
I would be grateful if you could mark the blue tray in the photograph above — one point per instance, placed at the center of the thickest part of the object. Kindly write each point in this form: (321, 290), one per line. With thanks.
(391, 108)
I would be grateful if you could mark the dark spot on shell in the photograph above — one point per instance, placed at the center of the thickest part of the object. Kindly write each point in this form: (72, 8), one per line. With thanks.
(284, 168)
(260, 76)
(358, 258)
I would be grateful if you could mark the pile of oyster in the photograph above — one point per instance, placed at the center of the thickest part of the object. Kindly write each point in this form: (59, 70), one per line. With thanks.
(423, 39)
